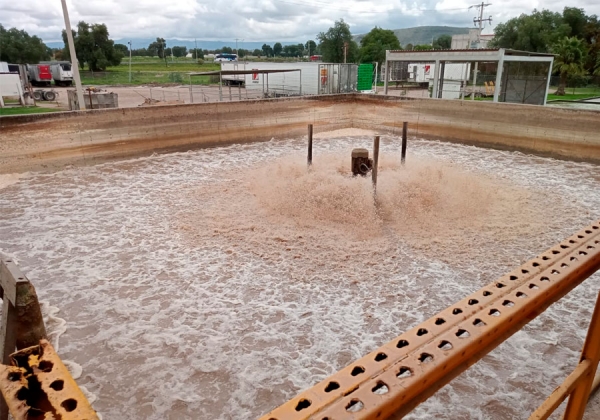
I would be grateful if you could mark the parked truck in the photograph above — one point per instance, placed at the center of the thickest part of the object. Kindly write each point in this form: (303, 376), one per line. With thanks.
(39, 74)
(62, 73)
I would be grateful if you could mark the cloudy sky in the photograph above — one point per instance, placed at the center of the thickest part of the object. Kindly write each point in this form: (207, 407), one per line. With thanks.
(257, 20)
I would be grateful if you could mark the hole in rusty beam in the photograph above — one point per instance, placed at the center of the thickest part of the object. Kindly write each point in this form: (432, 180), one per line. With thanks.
(302, 404)
(380, 357)
(462, 333)
(564, 246)
(479, 323)
(508, 303)
(486, 293)
(545, 258)
(440, 321)
(521, 295)
(494, 312)
(22, 394)
(425, 358)
(582, 253)
(445, 345)
(513, 277)
(456, 311)
(573, 259)
(45, 366)
(404, 372)
(588, 231)
(57, 385)
(563, 265)
(473, 301)
(71, 404)
(500, 285)
(535, 264)
(422, 331)
(354, 406)
(544, 278)
(380, 389)
(402, 343)
(14, 376)
(332, 386)
(533, 286)
(555, 272)
(357, 370)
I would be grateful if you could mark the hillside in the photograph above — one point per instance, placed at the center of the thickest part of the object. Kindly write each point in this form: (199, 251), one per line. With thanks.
(422, 34)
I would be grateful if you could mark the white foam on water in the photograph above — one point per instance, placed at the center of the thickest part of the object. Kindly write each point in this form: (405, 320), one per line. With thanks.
(192, 288)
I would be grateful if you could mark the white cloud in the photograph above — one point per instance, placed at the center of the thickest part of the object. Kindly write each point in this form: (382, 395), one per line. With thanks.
(285, 20)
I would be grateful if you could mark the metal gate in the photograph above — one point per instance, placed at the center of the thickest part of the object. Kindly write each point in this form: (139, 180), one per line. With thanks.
(337, 78)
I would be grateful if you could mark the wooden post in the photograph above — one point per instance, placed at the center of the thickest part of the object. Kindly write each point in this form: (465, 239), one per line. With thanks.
(90, 95)
(375, 162)
(310, 138)
(404, 134)
(591, 351)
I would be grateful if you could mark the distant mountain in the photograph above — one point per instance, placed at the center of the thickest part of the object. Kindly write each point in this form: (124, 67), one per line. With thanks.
(205, 45)
(422, 34)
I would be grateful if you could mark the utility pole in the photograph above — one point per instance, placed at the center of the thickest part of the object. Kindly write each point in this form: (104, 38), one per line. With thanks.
(345, 50)
(480, 21)
(196, 43)
(74, 61)
(129, 61)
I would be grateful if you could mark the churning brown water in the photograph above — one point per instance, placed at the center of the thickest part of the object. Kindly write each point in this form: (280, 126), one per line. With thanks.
(219, 283)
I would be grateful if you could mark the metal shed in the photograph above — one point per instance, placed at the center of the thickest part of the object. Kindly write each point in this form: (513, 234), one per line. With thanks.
(521, 76)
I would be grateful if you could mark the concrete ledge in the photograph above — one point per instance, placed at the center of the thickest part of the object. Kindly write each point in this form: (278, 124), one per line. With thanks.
(51, 141)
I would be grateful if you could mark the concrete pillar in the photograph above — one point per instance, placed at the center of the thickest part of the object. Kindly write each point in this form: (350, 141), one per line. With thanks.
(499, 76)
(385, 77)
(474, 80)
(550, 65)
(436, 79)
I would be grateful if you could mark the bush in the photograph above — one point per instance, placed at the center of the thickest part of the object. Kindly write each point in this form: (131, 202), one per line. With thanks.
(175, 77)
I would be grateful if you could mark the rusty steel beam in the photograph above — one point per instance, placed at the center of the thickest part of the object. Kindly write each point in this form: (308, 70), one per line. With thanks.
(38, 385)
(392, 380)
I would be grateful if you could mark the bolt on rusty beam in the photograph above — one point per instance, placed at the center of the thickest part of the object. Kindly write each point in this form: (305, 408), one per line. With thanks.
(404, 372)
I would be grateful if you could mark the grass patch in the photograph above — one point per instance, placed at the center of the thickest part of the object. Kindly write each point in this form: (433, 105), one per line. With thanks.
(153, 72)
(21, 110)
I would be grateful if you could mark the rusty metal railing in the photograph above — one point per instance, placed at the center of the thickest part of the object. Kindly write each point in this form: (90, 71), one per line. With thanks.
(392, 380)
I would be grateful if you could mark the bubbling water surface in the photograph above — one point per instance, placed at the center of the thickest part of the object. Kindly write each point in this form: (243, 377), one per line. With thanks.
(219, 283)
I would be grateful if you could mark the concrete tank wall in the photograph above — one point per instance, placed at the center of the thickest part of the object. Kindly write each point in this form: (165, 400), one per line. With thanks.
(548, 131)
(50, 141)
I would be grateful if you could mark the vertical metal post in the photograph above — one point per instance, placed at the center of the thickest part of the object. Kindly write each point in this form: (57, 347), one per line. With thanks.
(404, 135)
(267, 84)
(91, 103)
(591, 351)
(548, 82)
(300, 82)
(191, 92)
(240, 92)
(375, 162)
(230, 97)
(498, 85)
(441, 79)
(436, 79)
(220, 87)
(474, 80)
(385, 77)
(74, 61)
(310, 142)
(129, 61)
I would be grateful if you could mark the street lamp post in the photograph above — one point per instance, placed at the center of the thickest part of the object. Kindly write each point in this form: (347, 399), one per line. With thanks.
(129, 61)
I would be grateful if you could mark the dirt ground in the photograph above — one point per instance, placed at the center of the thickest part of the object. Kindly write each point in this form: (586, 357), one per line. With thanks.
(134, 96)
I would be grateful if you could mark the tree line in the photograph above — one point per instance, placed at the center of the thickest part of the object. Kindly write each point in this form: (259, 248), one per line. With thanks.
(572, 36)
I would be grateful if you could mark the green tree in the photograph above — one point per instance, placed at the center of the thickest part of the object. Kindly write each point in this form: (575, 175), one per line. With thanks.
(375, 43)
(442, 42)
(157, 48)
(536, 32)
(179, 51)
(197, 53)
(422, 47)
(20, 48)
(570, 56)
(337, 39)
(227, 50)
(257, 52)
(409, 47)
(277, 48)
(267, 50)
(123, 49)
(242, 53)
(93, 46)
(310, 47)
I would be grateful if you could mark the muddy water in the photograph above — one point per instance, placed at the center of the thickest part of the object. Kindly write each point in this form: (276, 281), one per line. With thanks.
(219, 283)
